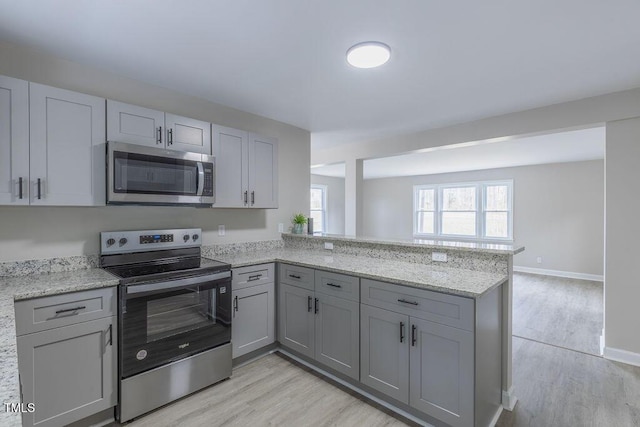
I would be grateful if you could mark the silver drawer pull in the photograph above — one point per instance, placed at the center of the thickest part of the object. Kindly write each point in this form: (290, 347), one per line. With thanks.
(67, 310)
(256, 277)
(293, 276)
(335, 286)
(408, 302)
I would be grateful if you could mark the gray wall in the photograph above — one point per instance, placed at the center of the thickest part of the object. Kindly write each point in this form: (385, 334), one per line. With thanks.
(43, 232)
(558, 211)
(335, 201)
(622, 289)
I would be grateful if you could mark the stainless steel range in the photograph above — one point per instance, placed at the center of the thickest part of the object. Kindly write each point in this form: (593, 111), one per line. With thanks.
(174, 314)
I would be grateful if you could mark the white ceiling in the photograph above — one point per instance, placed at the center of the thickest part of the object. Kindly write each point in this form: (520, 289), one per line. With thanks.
(285, 59)
(572, 146)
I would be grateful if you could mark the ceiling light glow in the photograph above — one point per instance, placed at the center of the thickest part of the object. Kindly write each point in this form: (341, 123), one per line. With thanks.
(368, 54)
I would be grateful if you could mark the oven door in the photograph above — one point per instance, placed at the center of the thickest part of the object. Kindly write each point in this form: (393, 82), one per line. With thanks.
(148, 175)
(167, 321)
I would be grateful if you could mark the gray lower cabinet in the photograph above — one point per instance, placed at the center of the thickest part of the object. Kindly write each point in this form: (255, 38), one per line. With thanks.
(321, 326)
(384, 350)
(253, 324)
(441, 372)
(296, 319)
(68, 373)
(337, 331)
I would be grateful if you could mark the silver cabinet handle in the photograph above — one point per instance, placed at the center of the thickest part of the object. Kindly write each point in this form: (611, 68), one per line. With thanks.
(333, 285)
(245, 197)
(67, 310)
(39, 188)
(256, 277)
(253, 198)
(20, 188)
(159, 136)
(401, 331)
(170, 137)
(408, 302)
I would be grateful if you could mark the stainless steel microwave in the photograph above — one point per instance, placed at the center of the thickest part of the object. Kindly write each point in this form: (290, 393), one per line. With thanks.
(153, 176)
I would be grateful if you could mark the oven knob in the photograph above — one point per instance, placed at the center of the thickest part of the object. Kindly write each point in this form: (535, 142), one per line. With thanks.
(195, 237)
(123, 241)
(111, 242)
(185, 238)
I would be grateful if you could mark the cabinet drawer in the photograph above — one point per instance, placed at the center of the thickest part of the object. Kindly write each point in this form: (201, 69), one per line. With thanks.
(428, 305)
(40, 314)
(252, 275)
(297, 276)
(339, 285)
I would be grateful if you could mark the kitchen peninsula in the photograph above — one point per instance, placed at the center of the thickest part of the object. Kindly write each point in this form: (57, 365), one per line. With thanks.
(471, 273)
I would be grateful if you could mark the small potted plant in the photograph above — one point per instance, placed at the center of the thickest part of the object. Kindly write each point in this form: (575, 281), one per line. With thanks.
(298, 220)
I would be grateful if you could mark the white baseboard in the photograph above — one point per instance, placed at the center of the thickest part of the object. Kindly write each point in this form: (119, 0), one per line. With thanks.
(509, 399)
(623, 356)
(559, 273)
(496, 416)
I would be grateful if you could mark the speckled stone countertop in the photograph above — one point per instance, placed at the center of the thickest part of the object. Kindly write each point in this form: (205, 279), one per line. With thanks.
(25, 287)
(467, 283)
(479, 247)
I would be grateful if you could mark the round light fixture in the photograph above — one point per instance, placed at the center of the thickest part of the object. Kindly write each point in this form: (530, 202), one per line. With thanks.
(368, 54)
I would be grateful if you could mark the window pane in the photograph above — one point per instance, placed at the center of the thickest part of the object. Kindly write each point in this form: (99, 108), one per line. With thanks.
(426, 200)
(459, 199)
(460, 223)
(497, 198)
(497, 224)
(316, 198)
(425, 223)
(318, 221)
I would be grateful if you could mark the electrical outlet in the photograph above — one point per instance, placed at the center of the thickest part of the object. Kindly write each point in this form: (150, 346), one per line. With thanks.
(539, 260)
(280, 227)
(328, 246)
(221, 230)
(439, 256)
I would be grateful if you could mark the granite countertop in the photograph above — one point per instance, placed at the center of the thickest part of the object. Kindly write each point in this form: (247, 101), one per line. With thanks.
(481, 247)
(467, 283)
(25, 287)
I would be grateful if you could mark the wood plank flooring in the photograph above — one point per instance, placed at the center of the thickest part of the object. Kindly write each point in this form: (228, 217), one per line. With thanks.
(271, 391)
(563, 312)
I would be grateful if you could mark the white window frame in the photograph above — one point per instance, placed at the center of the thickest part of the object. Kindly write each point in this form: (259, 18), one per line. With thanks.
(325, 210)
(480, 211)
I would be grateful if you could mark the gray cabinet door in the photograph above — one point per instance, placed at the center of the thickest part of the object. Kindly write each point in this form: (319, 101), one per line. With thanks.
(296, 319)
(186, 134)
(69, 373)
(135, 125)
(338, 334)
(14, 141)
(442, 383)
(263, 172)
(253, 324)
(67, 147)
(384, 347)
(229, 147)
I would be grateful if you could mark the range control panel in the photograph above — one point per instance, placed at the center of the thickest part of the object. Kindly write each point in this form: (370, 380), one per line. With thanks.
(117, 242)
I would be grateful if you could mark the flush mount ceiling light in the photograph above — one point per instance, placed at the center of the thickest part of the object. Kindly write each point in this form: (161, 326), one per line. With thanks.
(368, 54)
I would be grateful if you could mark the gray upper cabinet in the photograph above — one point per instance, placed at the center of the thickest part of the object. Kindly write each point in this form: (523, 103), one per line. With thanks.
(246, 169)
(296, 319)
(384, 350)
(67, 147)
(337, 332)
(143, 126)
(253, 324)
(442, 372)
(14, 141)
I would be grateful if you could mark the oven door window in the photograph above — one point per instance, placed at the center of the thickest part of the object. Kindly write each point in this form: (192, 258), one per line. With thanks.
(181, 313)
(143, 174)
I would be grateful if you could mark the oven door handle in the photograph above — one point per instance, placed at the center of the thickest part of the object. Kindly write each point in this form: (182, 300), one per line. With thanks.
(200, 178)
(175, 284)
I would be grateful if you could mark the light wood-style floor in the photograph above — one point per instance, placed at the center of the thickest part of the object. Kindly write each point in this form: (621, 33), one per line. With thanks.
(564, 312)
(556, 386)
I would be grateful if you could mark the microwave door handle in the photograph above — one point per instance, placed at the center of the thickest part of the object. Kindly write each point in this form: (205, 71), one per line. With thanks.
(171, 285)
(200, 178)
